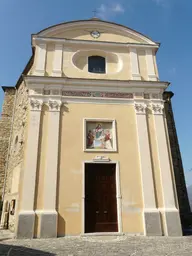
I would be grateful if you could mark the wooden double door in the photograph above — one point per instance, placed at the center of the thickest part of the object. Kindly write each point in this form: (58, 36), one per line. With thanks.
(100, 198)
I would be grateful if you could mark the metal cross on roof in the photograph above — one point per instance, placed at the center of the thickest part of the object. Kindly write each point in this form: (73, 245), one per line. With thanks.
(95, 12)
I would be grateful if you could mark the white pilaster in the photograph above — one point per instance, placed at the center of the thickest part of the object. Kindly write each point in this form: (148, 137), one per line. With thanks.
(171, 218)
(134, 64)
(48, 216)
(40, 60)
(57, 61)
(150, 65)
(26, 216)
(151, 217)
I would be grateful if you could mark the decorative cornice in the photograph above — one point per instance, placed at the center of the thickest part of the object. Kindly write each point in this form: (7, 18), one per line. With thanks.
(54, 105)
(35, 104)
(115, 95)
(157, 109)
(42, 81)
(42, 40)
(140, 108)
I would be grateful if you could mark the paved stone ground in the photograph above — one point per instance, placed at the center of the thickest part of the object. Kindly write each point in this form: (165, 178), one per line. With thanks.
(97, 246)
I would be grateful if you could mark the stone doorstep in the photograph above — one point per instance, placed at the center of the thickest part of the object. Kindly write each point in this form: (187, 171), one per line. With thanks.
(102, 234)
(6, 234)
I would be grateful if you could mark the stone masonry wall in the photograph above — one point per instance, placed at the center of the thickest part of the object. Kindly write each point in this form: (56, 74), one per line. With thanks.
(16, 152)
(185, 212)
(5, 129)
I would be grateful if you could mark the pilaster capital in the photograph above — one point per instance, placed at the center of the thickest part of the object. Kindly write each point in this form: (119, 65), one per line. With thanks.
(157, 109)
(140, 108)
(54, 105)
(35, 104)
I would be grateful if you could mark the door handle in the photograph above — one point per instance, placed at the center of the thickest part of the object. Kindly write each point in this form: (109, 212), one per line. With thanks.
(105, 212)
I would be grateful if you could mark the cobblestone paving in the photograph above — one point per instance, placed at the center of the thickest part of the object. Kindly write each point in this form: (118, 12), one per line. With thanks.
(94, 246)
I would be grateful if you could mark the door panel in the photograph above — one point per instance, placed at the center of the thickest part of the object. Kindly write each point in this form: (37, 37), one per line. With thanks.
(100, 198)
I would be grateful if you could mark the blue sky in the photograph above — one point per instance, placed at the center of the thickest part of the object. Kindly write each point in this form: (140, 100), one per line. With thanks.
(165, 21)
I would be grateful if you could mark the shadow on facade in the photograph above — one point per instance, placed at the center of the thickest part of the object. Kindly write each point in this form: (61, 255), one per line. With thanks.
(12, 250)
(181, 190)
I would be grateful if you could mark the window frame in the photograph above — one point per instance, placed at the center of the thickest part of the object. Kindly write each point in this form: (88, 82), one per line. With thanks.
(105, 64)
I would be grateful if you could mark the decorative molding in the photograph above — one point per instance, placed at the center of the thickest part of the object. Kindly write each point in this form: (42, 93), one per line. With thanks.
(73, 42)
(54, 105)
(36, 104)
(47, 92)
(133, 85)
(140, 108)
(98, 94)
(155, 96)
(36, 91)
(157, 109)
(101, 159)
(138, 95)
(55, 92)
(146, 96)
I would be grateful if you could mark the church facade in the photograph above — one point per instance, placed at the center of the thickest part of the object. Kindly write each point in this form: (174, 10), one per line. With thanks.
(89, 146)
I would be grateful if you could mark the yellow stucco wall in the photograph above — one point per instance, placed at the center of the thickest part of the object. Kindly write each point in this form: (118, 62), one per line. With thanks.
(72, 156)
(71, 159)
(118, 65)
(108, 36)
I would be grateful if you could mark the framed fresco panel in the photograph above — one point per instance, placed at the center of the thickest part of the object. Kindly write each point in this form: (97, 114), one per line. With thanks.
(100, 135)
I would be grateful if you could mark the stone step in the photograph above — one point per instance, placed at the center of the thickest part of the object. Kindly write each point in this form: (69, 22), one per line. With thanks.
(6, 234)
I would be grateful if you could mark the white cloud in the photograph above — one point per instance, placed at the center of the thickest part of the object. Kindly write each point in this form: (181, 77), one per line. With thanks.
(162, 3)
(106, 11)
(117, 8)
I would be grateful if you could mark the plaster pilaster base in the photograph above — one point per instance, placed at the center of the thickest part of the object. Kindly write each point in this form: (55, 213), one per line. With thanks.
(172, 222)
(136, 76)
(57, 73)
(152, 223)
(47, 224)
(152, 78)
(25, 225)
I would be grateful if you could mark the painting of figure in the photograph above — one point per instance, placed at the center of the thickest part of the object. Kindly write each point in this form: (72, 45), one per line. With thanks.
(108, 138)
(99, 136)
(90, 139)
